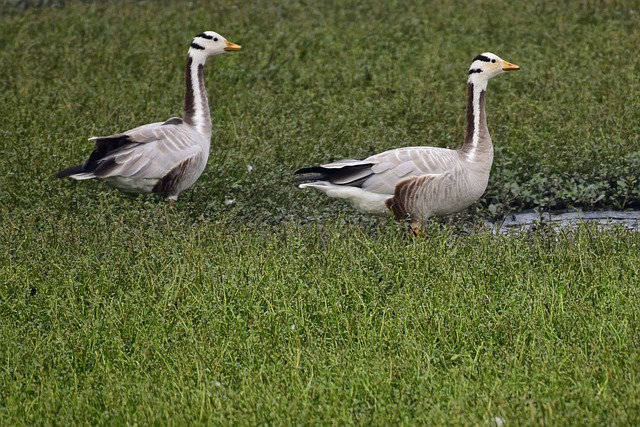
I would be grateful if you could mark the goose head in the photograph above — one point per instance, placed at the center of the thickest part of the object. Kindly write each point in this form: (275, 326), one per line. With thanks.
(209, 44)
(488, 65)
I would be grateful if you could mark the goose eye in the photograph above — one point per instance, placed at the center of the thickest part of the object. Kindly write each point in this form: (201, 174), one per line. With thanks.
(215, 39)
(493, 60)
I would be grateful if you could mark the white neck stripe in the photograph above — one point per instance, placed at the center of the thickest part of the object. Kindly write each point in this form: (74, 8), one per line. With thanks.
(478, 87)
(197, 105)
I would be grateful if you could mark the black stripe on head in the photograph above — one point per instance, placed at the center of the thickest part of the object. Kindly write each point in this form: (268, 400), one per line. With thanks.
(205, 36)
(482, 58)
(475, 70)
(196, 46)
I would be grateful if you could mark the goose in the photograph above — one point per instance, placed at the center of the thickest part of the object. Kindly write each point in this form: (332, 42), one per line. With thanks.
(416, 183)
(165, 157)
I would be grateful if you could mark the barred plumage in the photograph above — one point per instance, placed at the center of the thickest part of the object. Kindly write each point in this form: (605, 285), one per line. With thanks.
(165, 157)
(416, 183)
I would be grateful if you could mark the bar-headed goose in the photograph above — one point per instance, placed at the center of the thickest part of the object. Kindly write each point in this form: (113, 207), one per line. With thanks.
(165, 157)
(419, 182)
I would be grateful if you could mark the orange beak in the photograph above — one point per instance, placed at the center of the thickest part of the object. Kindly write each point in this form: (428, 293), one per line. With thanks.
(231, 46)
(508, 66)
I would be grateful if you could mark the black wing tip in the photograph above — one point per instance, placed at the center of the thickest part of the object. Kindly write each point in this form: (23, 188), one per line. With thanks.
(309, 178)
(312, 169)
(314, 173)
(70, 171)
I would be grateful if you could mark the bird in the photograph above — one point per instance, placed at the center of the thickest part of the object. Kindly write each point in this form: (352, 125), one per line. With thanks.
(416, 183)
(166, 157)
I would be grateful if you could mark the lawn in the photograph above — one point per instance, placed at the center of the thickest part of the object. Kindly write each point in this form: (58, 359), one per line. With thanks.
(254, 302)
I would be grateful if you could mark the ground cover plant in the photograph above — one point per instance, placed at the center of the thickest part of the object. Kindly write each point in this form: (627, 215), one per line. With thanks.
(255, 302)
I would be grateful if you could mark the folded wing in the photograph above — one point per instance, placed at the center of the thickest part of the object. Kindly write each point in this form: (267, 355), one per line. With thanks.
(147, 152)
(382, 172)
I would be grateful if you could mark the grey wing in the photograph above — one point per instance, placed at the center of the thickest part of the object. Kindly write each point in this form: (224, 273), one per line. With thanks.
(151, 151)
(392, 166)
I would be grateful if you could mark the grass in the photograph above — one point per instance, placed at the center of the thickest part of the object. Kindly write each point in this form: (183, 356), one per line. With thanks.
(284, 307)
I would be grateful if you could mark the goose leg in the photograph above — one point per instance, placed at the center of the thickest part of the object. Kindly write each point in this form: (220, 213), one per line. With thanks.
(416, 228)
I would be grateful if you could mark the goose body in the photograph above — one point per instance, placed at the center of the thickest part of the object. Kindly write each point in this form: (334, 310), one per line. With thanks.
(164, 157)
(416, 183)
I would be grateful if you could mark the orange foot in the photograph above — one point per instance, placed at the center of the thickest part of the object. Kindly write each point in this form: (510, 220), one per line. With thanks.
(415, 228)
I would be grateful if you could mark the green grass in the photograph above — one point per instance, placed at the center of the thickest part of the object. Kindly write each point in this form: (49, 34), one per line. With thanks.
(285, 307)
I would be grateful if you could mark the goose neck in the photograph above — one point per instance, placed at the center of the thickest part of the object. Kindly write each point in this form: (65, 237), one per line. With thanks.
(477, 139)
(196, 107)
